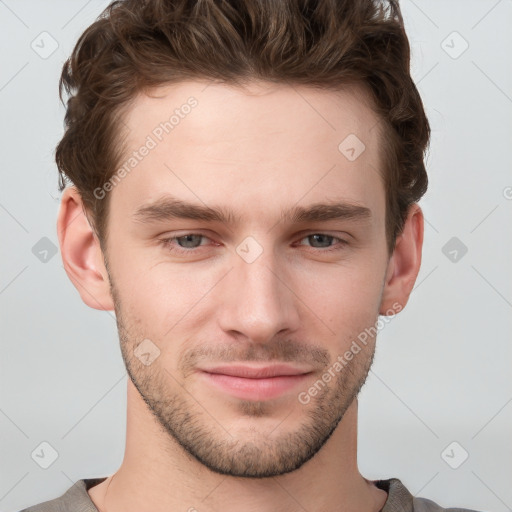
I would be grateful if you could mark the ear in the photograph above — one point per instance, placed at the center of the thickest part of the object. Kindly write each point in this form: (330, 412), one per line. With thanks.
(81, 252)
(404, 264)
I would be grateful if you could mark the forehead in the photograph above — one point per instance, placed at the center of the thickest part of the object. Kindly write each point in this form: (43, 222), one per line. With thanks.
(209, 141)
(258, 109)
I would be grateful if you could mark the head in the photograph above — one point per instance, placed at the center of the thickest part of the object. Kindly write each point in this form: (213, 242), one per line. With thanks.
(245, 179)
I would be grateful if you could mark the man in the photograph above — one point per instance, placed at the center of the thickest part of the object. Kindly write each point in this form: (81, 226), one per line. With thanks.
(244, 186)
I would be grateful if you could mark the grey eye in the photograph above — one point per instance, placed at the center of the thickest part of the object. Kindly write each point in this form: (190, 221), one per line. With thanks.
(189, 241)
(323, 239)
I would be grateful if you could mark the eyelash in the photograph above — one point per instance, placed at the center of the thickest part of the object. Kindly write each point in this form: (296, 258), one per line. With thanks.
(166, 242)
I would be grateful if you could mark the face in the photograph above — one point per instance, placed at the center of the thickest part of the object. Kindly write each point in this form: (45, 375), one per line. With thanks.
(219, 253)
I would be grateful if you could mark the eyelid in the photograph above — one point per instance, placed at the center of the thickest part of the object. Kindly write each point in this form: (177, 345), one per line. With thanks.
(338, 241)
(329, 232)
(166, 241)
(299, 235)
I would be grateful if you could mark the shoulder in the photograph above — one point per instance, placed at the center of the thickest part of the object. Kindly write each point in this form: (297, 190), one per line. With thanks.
(75, 499)
(426, 505)
(400, 499)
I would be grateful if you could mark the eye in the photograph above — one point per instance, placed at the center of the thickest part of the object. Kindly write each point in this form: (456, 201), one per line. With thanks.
(190, 243)
(324, 239)
(187, 243)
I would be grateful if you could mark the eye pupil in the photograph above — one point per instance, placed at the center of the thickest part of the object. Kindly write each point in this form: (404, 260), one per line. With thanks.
(188, 239)
(326, 237)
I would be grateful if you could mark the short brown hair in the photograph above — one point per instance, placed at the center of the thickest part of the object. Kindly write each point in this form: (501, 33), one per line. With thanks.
(136, 45)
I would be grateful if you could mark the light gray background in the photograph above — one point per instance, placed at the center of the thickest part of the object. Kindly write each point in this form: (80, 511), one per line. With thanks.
(442, 371)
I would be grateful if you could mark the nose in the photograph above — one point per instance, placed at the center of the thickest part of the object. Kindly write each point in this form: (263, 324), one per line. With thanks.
(258, 300)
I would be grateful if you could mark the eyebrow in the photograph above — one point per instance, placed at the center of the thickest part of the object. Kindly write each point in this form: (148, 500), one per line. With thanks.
(169, 207)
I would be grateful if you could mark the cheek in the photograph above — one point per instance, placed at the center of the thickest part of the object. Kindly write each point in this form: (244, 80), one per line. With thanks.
(165, 297)
(345, 297)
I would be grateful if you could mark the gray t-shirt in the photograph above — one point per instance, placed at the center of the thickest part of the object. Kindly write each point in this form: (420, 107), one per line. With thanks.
(76, 499)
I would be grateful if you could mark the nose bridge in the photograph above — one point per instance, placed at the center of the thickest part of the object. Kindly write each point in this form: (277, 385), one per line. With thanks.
(258, 304)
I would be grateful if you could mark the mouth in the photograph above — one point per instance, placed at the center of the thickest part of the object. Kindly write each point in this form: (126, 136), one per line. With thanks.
(256, 383)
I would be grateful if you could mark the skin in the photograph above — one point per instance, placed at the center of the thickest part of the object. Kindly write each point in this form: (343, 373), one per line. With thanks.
(255, 151)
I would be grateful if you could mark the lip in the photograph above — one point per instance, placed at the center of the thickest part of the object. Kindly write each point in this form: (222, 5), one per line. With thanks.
(255, 383)
(257, 372)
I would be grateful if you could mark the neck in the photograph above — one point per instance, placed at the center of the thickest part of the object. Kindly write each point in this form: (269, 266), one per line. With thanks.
(158, 475)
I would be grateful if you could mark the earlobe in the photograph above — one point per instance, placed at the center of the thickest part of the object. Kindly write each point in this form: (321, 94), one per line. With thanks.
(404, 264)
(81, 253)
